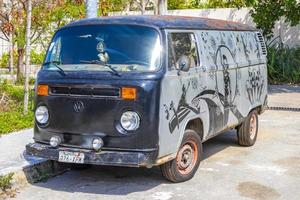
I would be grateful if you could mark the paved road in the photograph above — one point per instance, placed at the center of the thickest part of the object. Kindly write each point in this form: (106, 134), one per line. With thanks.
(268, 170)
(284, 96)
(12, 147)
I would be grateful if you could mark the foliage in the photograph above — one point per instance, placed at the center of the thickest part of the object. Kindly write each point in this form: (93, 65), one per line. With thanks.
(283, 64)
(6, 181)
(265, 13)
(4, 59)
(12, 119)
(36, 58)
(184, 4)
(107, 6)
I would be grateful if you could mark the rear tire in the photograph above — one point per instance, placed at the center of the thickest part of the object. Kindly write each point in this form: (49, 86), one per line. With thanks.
(247, 131)
(187, 161)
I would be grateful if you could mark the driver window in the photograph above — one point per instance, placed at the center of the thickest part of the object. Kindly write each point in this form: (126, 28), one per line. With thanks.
(182, 44)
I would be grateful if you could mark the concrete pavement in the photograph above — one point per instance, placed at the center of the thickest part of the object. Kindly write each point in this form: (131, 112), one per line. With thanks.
(268, 170)
(12, 147)
(284, 96)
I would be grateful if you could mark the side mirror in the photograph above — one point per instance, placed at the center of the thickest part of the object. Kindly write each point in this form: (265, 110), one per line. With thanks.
(184, 63)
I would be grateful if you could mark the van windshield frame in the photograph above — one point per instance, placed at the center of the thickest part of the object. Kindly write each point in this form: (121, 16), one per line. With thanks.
(126, 48)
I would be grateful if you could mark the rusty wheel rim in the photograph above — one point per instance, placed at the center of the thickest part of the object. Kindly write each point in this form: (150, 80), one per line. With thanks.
(187, 157)
(253, 126)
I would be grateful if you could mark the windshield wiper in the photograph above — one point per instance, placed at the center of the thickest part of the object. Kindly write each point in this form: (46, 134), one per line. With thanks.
(56, 63)
(115, 72)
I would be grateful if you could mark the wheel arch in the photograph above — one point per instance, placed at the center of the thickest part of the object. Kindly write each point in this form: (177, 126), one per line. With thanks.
(196, 124)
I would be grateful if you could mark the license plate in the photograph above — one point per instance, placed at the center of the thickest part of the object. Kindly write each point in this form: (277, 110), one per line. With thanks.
(71, 157)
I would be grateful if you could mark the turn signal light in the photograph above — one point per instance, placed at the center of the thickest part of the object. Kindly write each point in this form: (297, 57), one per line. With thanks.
(42, 90)
(128, 93)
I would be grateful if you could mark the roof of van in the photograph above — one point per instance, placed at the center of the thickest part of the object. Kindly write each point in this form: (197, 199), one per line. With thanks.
(167, 21)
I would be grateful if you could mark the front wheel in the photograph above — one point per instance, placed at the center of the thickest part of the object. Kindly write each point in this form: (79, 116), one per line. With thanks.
(247, 131)
(187, 161)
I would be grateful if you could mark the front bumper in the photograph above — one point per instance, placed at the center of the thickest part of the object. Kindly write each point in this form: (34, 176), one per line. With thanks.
(112, 158)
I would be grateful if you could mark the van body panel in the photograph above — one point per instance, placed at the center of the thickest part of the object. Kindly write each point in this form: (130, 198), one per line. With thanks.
(229, 82)
(101, 114)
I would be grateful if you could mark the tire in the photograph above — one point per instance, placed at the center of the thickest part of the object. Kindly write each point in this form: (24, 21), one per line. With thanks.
(187, 161)
(247, 131)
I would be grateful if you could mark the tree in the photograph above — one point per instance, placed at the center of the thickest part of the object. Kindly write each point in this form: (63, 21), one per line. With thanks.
(265, 13)
(6, 30)
(47, 16)
(162, 7)
(27, 56)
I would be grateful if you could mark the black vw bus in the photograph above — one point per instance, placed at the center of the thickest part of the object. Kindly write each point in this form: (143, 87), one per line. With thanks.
(144, 91)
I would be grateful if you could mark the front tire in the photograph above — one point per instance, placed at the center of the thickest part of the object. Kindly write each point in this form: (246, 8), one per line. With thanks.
(187, 161)
(247, 131)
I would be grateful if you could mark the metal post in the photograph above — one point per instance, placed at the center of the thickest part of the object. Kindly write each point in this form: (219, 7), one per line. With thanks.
(27, 56)
(91, 8)
(162, 7)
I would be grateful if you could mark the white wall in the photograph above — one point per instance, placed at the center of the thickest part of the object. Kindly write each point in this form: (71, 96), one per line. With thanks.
(3, 46)
(289, 35)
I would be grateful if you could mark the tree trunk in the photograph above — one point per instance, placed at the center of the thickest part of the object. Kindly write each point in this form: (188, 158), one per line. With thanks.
(27, 57)
(20, 67)
(162, 7)
(91, 7)
(142, 6)
(11, 58)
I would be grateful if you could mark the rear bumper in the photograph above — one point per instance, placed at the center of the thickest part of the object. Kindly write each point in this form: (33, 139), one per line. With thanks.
(112, 158)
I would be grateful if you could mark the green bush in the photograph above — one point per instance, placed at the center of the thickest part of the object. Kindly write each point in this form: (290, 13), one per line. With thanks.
(15, 92)
(36, 58)
(4, 60)
(13, 119)
(6, 181)
(283, 64)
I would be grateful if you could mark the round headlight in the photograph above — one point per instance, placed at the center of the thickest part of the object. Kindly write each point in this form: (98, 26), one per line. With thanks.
(130, 120)
(42, 114)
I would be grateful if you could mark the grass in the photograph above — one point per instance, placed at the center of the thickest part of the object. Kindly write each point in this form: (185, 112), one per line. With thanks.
(6, 181)
(11, 109)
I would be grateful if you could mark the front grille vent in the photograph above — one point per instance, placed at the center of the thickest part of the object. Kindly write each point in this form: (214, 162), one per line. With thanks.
(262, 43)
(85, 91)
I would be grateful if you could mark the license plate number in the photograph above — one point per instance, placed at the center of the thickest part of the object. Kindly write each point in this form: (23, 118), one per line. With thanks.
(71, 157)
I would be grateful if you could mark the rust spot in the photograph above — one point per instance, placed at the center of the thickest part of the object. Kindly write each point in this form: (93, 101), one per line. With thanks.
(257, 191)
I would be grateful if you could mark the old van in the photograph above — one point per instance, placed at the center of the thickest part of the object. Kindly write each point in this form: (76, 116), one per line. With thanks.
(145, 91)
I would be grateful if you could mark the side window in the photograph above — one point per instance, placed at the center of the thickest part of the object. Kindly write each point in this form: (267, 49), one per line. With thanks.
(182, 44)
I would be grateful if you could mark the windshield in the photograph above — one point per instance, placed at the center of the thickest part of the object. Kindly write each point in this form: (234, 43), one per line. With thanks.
(123, 47)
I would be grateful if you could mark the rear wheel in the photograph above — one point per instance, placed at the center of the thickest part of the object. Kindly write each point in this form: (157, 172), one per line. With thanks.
(187, 161)
(247, 131)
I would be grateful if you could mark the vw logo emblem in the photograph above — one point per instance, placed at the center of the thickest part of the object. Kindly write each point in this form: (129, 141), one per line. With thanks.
(78, 106)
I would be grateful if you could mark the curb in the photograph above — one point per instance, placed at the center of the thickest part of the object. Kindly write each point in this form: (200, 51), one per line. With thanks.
(32, 174)
(38, 172)
(281, 108)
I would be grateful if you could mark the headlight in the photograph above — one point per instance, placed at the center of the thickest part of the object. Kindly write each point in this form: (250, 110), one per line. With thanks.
(42, 114)
(130, 120)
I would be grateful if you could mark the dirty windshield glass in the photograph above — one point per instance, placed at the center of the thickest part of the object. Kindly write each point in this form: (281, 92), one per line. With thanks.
(122, 47)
